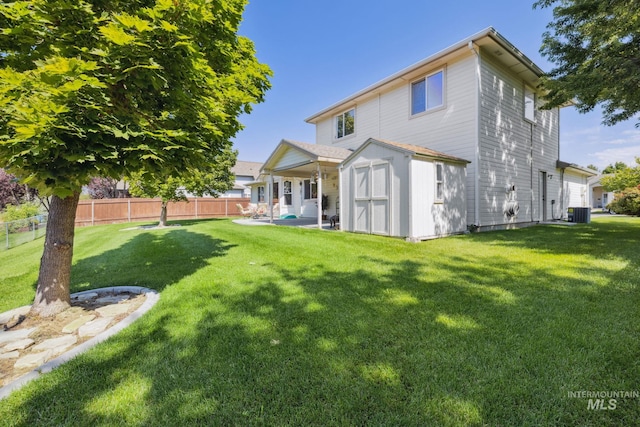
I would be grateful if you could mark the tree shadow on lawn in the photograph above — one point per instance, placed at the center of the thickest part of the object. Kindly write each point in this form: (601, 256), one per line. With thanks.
(153, 259)
(609, 237)
(403, 347)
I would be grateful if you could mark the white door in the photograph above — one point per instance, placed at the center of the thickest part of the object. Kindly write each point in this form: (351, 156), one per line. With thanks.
(371, 207)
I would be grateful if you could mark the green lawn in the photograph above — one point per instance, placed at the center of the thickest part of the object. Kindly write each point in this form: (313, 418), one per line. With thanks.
(287, 326)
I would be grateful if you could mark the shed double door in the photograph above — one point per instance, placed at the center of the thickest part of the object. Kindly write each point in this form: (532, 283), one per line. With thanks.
(372, 199)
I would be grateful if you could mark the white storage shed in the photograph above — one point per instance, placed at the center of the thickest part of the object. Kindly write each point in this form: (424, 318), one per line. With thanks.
(402, 190)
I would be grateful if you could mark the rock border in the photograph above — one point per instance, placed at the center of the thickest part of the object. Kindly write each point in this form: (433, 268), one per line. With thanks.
(152, 298)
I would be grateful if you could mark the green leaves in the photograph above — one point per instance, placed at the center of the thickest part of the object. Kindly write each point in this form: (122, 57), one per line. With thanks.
(92, 88)
(596, 48)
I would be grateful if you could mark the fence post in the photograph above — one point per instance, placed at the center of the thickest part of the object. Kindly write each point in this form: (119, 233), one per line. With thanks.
(226, 208)
(129, 209)
(196, 208)
(93, 209)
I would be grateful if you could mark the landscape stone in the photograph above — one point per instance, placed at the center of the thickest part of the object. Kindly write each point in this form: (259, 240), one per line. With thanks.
(10, 355)
(8, 315)
(9, 336)
(94, 327)
(113, 309)
(19, 345)
(58, 344)
(73, 326)
(112, 299)
(32, 360)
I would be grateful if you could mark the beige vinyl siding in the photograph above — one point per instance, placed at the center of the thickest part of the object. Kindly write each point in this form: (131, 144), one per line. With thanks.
(513, 151)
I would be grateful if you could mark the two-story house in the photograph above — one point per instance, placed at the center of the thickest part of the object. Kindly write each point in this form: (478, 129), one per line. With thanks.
(455, 141)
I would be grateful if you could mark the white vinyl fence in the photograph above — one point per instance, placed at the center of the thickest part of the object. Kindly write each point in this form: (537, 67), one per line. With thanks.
(14, 233)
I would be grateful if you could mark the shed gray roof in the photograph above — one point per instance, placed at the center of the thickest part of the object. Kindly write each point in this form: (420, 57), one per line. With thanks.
(413, 150)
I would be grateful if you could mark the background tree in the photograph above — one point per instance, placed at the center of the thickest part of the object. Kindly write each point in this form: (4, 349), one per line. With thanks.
(12, 192)
(594, 167)
(613, 168)
(94, 88)
(213, 181)
(622, 178)
(595, 45)
(105, 188)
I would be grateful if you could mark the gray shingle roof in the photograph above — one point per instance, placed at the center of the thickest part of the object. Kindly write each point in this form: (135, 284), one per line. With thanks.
(320, 150)
(243, 168)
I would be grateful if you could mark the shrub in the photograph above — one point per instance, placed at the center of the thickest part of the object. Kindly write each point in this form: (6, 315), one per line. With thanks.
(24, 211)
(626, 202)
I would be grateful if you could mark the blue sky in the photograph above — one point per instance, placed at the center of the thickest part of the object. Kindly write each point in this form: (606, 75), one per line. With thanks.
(323, 51)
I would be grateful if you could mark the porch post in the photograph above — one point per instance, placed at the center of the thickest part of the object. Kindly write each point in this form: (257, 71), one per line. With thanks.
(270, 195)
(319, 197)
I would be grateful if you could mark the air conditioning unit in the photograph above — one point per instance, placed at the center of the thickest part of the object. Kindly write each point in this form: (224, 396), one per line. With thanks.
(579, 215)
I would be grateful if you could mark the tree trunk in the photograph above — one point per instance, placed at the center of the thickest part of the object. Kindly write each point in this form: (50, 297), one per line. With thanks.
(54, 279)
(163, 215)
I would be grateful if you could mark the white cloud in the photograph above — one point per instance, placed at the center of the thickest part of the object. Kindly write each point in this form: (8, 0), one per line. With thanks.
(613, 155)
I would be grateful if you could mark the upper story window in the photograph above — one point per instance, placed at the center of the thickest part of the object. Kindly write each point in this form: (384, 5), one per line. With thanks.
(529, 104)
(346, 123)
(427, 93)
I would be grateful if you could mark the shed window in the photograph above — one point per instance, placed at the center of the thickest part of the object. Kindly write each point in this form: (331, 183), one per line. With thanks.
(427, 93)
(439, 183)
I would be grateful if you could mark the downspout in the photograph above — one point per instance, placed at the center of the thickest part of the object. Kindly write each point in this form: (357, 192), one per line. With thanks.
(410, 189)
(478, 88)
(319, 196)
(341, 199)
(531, 185)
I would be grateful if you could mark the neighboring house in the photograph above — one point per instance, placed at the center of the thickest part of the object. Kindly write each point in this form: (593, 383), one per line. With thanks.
(599, 197)
(246, 173)
(493, 155)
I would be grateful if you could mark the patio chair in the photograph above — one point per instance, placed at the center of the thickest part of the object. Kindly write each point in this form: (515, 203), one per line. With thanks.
(245, 212)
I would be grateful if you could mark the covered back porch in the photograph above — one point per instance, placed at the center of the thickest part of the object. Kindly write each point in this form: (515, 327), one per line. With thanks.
(303, 180)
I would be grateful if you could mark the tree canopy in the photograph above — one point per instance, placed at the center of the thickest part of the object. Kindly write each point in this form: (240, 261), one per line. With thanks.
(110, 88)
(622, 178)
(595, 46)
(213, 181)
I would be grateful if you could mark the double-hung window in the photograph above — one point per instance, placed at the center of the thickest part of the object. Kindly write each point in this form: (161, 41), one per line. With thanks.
(287, 193)
(439, 183)
(346, 123)
(427, 93)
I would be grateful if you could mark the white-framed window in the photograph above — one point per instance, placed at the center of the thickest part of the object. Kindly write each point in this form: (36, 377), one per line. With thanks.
(427, 93)
(310, 189)
(346, 123)
(286, 191)
(261, 194)
(529, 104)
(439, 180)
